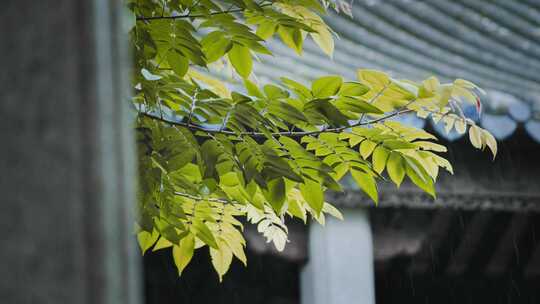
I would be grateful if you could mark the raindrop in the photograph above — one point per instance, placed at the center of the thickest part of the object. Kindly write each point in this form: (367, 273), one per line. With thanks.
(516, 249)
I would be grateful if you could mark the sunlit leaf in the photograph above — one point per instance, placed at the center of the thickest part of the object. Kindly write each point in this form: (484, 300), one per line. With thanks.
(395, 168)
(183, 252)
(366, 182)
(221, 258)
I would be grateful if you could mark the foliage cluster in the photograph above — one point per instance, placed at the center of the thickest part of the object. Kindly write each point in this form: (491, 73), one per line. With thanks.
(208, 156)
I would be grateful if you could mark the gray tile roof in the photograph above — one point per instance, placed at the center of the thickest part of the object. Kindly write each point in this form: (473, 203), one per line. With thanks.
(494, 43)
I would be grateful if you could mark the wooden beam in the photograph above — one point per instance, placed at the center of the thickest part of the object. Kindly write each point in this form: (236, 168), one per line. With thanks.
(470, 242)
(531, 263)
(439, 231)
(532, 270)
(508, 248)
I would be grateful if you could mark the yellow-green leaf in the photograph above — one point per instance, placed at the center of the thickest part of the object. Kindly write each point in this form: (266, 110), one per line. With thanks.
(475, 135)
(366, 148)
(147, 239)
(221, 258)
(431, 84)
(442, 162)
(420, 178)
(428, 145)
(374, 78)
(162, 243)
(380, 155)
(296, 209)
(395, 168)
(252, 89)
(326, 86)
(203, 232)
(324, 39)
(183, 252)
(235, 244)
(266, 29)
(366, 182)
(351, 88)
(291, 37)
(490, 142)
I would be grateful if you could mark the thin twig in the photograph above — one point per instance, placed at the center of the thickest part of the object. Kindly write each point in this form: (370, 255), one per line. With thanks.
(372, 100)
(208, 199)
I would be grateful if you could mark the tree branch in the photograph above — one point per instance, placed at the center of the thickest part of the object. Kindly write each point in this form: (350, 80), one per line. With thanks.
(284, 133)
(188, 15)
(208, 199)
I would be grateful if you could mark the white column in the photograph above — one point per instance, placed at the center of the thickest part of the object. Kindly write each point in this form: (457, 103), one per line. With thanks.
(340, 266)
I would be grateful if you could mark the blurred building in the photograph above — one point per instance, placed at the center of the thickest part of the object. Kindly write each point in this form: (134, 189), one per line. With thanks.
(479, 241)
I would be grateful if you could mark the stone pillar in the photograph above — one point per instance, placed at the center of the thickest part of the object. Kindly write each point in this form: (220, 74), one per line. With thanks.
(340, 267)
(66, 155)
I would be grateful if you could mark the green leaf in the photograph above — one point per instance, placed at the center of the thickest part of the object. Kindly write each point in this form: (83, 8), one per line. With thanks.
(313, 194)
(203, 233)
(291, 37)
(252, 89)
(413, 164)
(356, 105)
(275, 193)
(178, 63)
(274, 92)
(183, 252)
(326, 86)
(419, 176)
(380, 155)
(297, 209)
(266, 29)
(366, 182)
(217, 49)
(330, 114)
(353, 89)
(241, 60)
(366, 148)
(395, 168)
(301, 90)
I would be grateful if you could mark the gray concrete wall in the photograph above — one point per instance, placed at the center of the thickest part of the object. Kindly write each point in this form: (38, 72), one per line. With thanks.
(66, 161)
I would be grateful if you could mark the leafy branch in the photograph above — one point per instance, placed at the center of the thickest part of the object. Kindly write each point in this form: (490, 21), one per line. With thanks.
(190, 16)
(283, 133)
(192, 188)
